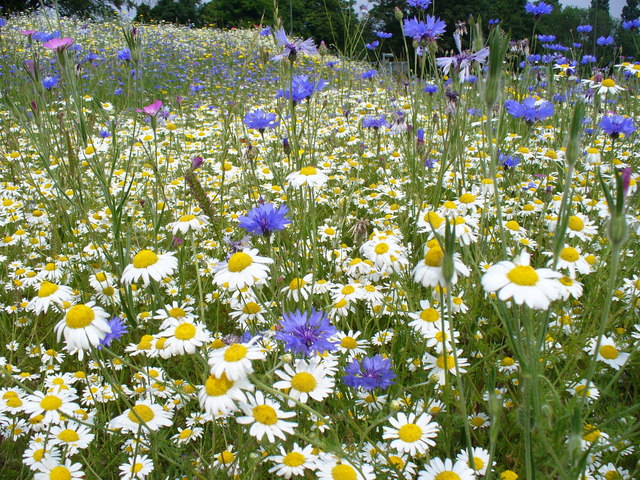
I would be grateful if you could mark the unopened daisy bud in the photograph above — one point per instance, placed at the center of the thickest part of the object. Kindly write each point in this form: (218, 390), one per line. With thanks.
(287, 358)
(573, 139)
(497, 50)
(617, 229)
(398, 14)
(395, 406)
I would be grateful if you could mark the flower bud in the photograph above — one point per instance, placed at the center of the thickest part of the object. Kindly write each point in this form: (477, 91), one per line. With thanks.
(398, 14)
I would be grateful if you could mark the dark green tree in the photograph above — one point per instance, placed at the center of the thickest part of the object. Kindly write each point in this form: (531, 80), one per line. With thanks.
(182, 11)
(631, 10)
(237, 13)
(600, 5)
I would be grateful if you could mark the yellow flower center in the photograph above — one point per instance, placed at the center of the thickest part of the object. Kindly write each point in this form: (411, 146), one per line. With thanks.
(235, 352)
(304, 382)
(569, 254)
(477, 421)
(185, 331)
(349, 343)
(608, 82)
(447, 475)
(141, 414)
(79, 316)
(410, 433)
(265, 414)
(186, 433)
(434, 257)
(576, 224)
(591, 434)
(507, 361)
(348, 290)
(68, 436)
(307, 171)
(216, 387)
(612, 474)
(251, 308)
(293, 459)
(186, 218)
(524, 275)
(467, 198)
(476, 463)
(433, 219)
(296, 283)
(329, 231)
(177, 312)
(101, 277)
(429, 315)
(239, 261)
(447, 360)
(382, 248)
(566, 281)
(50, 402)
(226, 457)
(136, 467)
(144, 259)
(60, 473)
(609, 352)
(512, 225)
(343, 472)
(13, 402)
(47, 289)
(145, 342)
(108, 291)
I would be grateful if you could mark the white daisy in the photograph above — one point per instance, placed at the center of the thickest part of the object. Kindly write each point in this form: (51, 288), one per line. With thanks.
(83, 326)
(188, 222)
(243, 269)
(147, 264)
(266, 418)
(293, 461)
(71, 436)
(428, 271)
(334, 468)
(480, 459)
(310, 176)
(143, 415)
(308, 380)
(235, 360)
(439, 470)
(50, 294)
(523, 283)
(608, 352)
(411, 434)
(52, 469)
(219, 395)
(185, 337)
(137, 467)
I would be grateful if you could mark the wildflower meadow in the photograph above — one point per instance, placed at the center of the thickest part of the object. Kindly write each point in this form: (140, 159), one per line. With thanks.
(240, 254)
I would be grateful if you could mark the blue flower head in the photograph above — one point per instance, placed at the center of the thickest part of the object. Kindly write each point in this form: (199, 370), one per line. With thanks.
(306, 333)
(538, 9)
(384, 35)
(421, 4)
(530, 110)
(375, 122)
(264, 219)
(118, 329)
(260, 120)
(427, 31)
(369, 74)
(584, 28)
(50, 82)
(374, 372)
(302, 88)
(617, 124)
(605, 41)
(508, 161)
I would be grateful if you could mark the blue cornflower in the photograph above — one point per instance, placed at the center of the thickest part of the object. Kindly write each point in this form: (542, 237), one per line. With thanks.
(537, 9)
(547, 38)
(3, 22)
(306, 333)
(577, 45)
(103, 133)
(384, 35)
(118, 91)
(373, 45)
(494, 21)
(584, 28)
(431, 89)
(508, 161)
(50, 82)
(266, 31)
(529, 109)
(617, 124)
(124, 54)
(631, 24)
(427, 31)
(303, 88)
(588, 59)
(422, 4)
(375, 123)
(292, 49)
(605, 41)
(118, 329)
(264, 219)
(369, 74)
(374, 372)
(260, 120)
